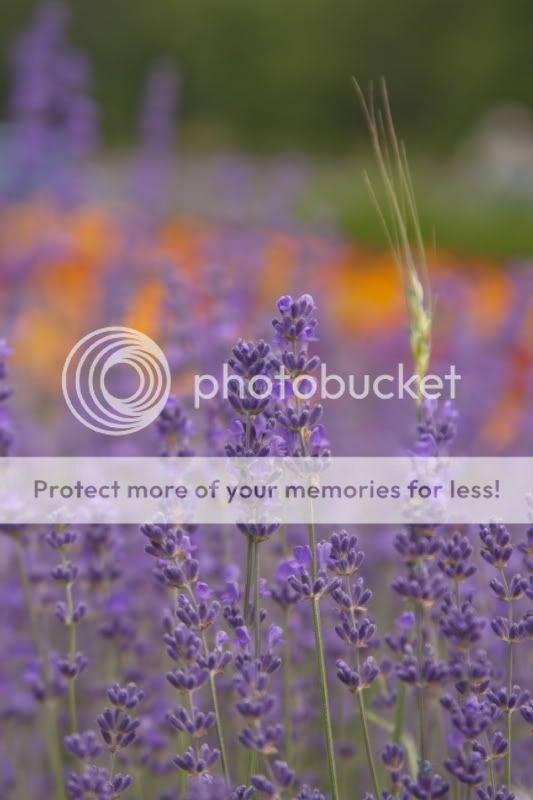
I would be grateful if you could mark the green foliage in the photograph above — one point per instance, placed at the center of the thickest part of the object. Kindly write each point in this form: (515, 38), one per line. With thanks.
(267, 74)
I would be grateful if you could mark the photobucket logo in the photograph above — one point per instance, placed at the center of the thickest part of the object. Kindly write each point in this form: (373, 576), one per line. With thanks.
(328, 386)
(87, 377)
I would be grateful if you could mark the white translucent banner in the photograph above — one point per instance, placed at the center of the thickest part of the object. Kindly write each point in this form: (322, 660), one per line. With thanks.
(285, 490)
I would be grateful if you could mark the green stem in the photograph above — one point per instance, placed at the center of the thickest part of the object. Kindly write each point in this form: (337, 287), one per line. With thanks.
(257, 602)
(324, 694)
(53, 749)
(407, 741)
(326, 717)
(218, 722)
(182, 777)
(508, 729)
(189, 700)
(214, 701)
(287, 681)
(399, 716)
(181, 736)
(254, 576)
(248, 579)
(491, 765)
(51, 736)
(72, 710)
(285, 542)
(138, 785)
(249, 551)
(313, 547)
(366, 737)
(420, 689)
(361, 701)
(508, 753)
(30, 608)
(251, 765)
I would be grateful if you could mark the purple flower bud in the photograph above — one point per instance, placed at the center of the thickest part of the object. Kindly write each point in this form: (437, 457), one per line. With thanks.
(83, 745)
(125, 697)
(197, 764)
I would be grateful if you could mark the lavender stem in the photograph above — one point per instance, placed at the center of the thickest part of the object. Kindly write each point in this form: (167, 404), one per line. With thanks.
(72, 710)
(257, 607)
(362, 709)
(51, 736)
(399, 716)
(248, 579)
(326, 717)
(223, 756)
(287, 719)
(420, 688)
(491, 765)
(508, 729)
(214, 701)
(366, 737)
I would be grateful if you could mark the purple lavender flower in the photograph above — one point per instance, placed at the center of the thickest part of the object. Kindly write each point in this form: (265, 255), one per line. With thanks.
(468, 768)
(527, 713)
(125, 697)
(166, 542)
(454, 555)
(489, 793)
(6, 432)
(118, 729)
(242, 793)
(96, 783)
(437, 427)
(393, 757)
(471, 718)
(256, 702)
(304, 585)
(428, 786)
(493, 750)
(83, 745)
(496, 545)
(157, 134)
(447, 624)
(54, 116)
(526, 548)
(197, 764)
(195, 723)
(360, 679)
(69, 613)
(423, 673)
(508, 701)
(174, 429)
(297, 323)
(460, 624)
(307, 793)
(344, 557)
(187, 646)
(282, 779)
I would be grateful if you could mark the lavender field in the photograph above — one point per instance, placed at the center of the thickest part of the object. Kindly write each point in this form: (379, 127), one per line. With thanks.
(168, 662)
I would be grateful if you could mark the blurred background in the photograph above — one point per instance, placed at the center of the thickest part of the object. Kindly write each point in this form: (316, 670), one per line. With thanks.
(265, 99)
(177, 166)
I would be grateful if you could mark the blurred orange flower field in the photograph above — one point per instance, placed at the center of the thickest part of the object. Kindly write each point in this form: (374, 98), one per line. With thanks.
(62, 293)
